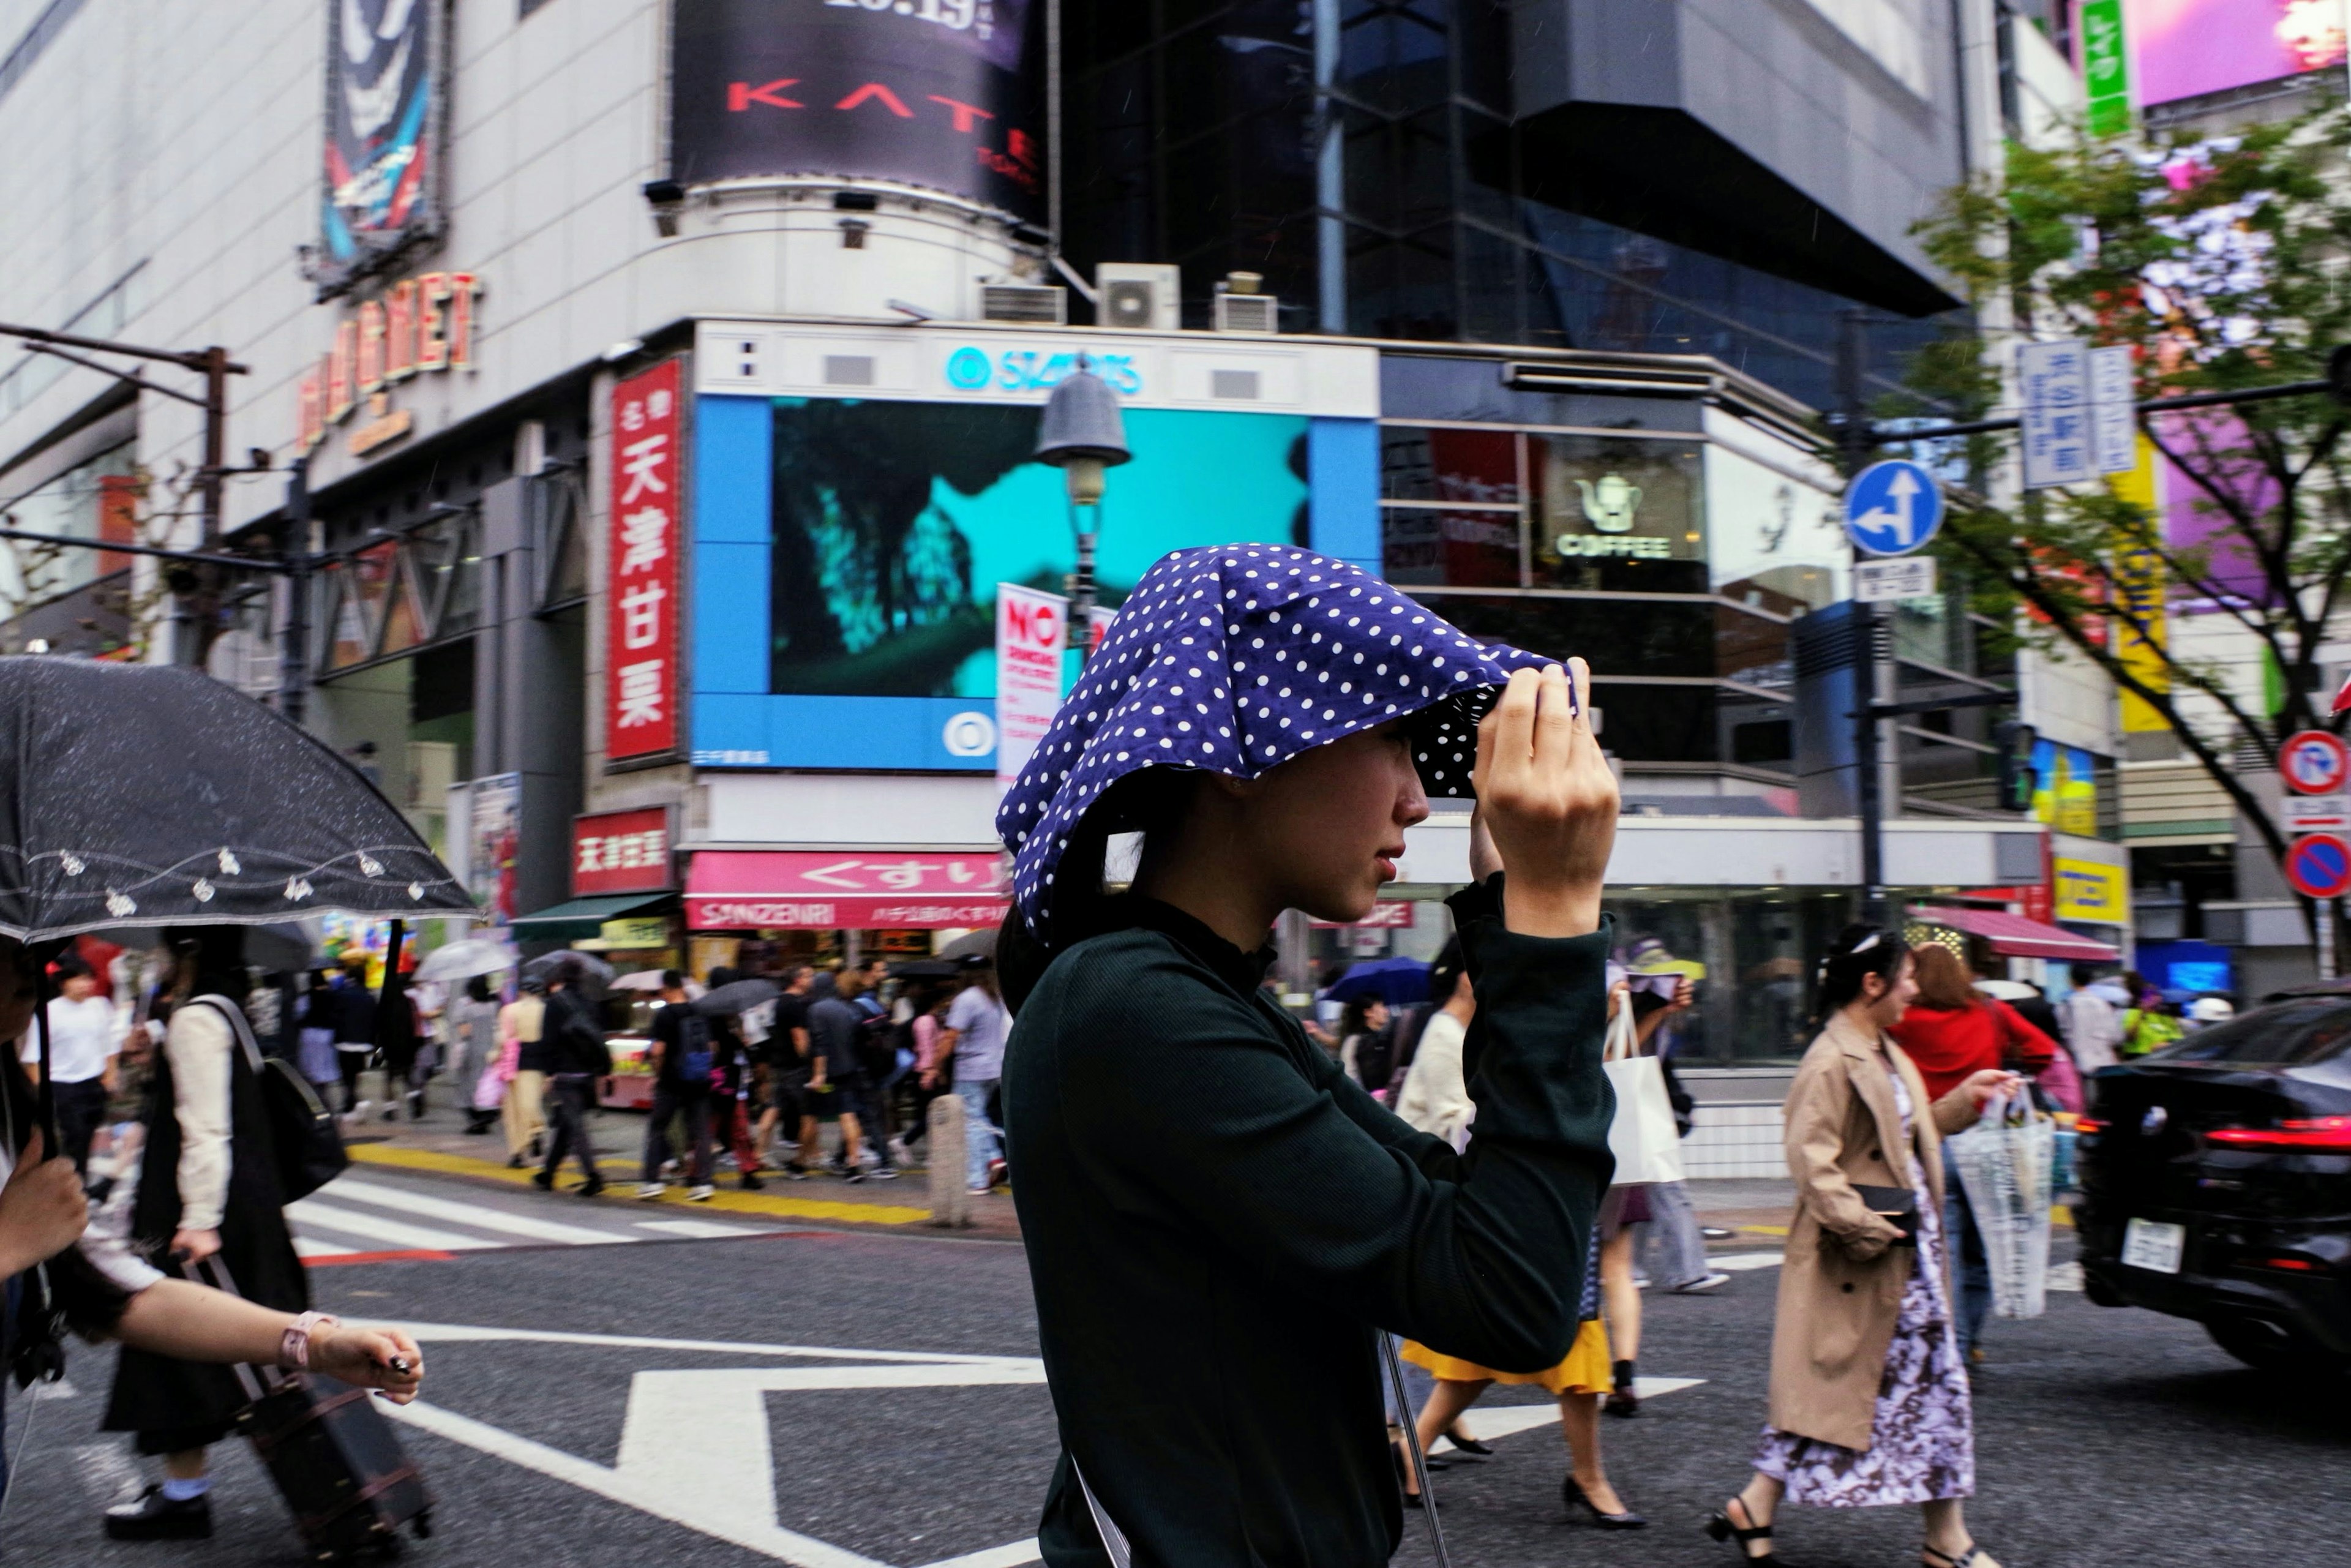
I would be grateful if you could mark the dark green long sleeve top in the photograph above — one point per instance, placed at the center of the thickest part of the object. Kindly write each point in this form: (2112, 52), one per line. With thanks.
(1218, 1220)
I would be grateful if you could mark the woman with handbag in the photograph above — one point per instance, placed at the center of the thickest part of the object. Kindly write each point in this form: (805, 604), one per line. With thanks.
(1218, 1221)
(1950, 1033)
(1869, 1394)
(207, 1189)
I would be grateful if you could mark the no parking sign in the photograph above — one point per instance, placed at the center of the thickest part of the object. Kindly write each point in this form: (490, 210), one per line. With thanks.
(2319, 866)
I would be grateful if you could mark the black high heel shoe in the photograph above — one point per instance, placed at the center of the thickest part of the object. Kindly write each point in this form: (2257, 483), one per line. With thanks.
(1721, 1529)
(1573, 1494)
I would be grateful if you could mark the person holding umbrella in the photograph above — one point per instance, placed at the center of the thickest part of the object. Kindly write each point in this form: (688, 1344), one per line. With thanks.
(1219, 1222)
(101, 831)
(578, 1056)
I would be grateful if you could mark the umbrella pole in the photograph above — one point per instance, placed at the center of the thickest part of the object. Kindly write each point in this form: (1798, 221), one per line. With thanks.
(45, 1099)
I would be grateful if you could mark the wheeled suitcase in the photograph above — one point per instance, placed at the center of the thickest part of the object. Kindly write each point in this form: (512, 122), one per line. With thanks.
(339, 1466)
(336, 1458)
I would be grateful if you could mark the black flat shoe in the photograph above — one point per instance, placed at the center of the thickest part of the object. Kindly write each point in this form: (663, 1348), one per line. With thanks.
(544, 1181)
(1623, 1401)
(1573, 1495)
(154, 1517)
(589, 1188)
(1721, 1529)
(1464, 1444)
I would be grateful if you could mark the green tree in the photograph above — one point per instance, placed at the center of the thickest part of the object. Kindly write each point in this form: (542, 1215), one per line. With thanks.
(2223, 267)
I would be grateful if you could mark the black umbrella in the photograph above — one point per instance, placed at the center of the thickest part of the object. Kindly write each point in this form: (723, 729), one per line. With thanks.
(153, 795)
(591, 969)
(737, 997)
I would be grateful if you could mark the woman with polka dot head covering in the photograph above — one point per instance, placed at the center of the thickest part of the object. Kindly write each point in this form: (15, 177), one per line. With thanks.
(1219, 1222)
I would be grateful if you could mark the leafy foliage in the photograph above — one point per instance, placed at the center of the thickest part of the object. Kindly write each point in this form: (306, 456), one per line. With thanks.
(2223, 266)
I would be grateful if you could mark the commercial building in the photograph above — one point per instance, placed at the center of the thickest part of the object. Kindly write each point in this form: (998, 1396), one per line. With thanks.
(667, 372)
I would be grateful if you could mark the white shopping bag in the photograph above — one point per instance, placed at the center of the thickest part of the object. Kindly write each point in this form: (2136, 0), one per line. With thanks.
(1643, 1136)
(2004, 1163)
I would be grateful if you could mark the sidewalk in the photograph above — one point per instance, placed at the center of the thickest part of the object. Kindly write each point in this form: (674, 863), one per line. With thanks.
(440, 1145)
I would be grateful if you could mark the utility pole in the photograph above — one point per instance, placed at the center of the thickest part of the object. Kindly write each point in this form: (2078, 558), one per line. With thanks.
(294, 671)
(1855, 440)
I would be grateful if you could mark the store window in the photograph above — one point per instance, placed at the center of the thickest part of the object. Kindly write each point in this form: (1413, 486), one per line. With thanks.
(97, 499)
(1750, 958)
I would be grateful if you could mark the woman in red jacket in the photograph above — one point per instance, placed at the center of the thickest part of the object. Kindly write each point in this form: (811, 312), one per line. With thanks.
(1951, 1032)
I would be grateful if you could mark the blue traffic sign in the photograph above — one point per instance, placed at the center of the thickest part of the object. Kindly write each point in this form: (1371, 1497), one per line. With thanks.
(1893, 507)
(2319, 866)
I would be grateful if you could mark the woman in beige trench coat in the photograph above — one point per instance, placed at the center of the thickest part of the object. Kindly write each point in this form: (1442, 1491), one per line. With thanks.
(1869, 1396)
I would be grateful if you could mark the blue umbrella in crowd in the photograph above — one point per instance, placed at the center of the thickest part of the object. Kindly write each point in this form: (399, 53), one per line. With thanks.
(1399, 982)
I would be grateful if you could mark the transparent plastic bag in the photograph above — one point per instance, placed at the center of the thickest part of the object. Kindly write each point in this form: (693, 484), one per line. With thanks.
(2006, 1163)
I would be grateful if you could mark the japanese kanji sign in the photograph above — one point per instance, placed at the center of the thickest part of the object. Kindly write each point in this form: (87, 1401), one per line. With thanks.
(620, 852)
(2058, 435)
(640, 644)
(850, 891)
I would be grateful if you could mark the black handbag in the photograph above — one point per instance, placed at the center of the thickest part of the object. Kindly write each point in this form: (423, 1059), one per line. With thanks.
(1898, 1204)
(306, 1146)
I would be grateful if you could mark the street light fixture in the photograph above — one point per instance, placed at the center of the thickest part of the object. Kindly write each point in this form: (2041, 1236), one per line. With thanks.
(1082, 434)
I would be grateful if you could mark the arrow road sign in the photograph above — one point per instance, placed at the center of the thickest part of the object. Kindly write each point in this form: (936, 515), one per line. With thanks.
(1893, 507)
(2320, 865)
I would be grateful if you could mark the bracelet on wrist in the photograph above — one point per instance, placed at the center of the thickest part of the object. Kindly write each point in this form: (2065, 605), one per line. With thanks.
(294, 1347)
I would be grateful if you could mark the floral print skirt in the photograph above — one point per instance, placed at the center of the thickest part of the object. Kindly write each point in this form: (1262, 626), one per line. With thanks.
(1922, 1446)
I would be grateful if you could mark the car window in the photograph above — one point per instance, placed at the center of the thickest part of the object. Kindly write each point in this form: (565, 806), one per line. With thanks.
(2295, 1033)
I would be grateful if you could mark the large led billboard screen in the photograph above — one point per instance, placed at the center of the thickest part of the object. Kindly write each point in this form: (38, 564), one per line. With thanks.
(2185, 48)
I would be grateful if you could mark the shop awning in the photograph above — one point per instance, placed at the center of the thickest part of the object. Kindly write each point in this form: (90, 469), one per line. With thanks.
(795, 889)
(584, 916)
(2015, 936)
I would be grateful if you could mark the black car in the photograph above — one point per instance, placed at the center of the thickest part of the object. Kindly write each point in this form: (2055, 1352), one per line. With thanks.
(2218, 1174)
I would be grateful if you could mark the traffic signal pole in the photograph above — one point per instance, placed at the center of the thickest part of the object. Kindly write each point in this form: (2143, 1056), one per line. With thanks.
(1855, 439)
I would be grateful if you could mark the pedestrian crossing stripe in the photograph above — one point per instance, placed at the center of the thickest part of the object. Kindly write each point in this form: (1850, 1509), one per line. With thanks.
(754, 1204)
(355, 1220)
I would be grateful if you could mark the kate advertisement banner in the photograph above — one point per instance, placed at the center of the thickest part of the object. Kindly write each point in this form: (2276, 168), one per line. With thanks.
(387, 137)
(942, 94)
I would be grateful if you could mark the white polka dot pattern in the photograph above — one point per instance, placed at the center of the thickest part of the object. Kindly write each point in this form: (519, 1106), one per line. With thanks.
(1234, 660)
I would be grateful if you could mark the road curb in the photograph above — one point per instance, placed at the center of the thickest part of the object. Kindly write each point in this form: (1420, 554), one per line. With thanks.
(882, 1215)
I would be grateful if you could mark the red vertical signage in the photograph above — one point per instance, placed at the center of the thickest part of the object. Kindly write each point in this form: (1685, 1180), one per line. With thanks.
(641, 685)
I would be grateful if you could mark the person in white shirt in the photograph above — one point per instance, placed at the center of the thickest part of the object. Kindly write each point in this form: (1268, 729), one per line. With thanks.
(1436, 1098)
(2093, 1032)
(83, 1043)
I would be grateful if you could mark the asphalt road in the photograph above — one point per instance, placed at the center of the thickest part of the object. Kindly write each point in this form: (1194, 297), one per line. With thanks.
(623, 1404)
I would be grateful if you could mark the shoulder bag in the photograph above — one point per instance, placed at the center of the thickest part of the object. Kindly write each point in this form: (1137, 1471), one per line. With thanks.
(306, 1147)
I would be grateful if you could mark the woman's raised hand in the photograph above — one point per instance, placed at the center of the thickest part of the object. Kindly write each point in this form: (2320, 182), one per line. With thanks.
(1547, 798)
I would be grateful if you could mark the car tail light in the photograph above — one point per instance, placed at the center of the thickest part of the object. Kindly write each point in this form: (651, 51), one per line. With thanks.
(2322, 1134)
(2289, 1264)
(2090, 1127)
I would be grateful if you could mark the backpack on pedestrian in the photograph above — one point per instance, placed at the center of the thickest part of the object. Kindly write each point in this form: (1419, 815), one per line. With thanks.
(879, 1040)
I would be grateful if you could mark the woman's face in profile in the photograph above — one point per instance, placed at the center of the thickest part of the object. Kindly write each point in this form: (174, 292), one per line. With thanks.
(1375, 1017)
(1328, 825)
(1888, 1003)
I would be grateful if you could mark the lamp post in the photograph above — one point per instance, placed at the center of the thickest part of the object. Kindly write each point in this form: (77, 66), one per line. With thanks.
(1082, 434)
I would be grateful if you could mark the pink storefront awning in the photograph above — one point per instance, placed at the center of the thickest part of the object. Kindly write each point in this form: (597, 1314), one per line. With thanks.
(2015, 936)
(800, 890)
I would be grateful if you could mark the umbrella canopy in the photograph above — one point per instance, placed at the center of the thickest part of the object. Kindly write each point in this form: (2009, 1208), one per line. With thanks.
(1398, 982)
(737, 997)
(592, 968)
(463, 960)
(650, 981)
(980, 943)
(153, 795)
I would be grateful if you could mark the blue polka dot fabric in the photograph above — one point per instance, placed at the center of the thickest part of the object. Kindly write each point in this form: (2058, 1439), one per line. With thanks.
(1234, 660)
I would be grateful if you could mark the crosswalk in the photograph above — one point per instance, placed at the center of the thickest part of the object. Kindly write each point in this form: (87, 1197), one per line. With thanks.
(357, 1216)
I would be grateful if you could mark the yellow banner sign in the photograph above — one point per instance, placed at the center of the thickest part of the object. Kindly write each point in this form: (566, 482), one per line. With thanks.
(2088, 890)
(2142, 589)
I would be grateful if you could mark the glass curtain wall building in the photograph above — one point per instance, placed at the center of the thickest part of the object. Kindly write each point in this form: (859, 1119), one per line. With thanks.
(1361, 155)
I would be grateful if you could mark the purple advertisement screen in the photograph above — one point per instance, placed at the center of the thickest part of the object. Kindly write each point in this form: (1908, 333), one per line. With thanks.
(2187, 47)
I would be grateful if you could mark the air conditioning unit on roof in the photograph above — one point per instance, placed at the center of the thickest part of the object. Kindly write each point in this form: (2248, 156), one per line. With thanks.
(1035, 304)
(1139, 297)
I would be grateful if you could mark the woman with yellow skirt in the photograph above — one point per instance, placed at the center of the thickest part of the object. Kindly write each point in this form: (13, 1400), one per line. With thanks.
(1578, 1382)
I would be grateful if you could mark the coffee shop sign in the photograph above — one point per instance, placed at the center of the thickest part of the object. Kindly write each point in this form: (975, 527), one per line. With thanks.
(421, 324)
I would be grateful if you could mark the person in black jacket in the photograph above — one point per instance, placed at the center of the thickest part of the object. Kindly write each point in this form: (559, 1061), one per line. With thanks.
(574, 1042)
(1218, 1221)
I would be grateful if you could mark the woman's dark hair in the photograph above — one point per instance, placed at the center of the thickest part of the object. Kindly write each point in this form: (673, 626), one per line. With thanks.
(210, 961)
(478, 988)
(1357, 1018)
(1151, 802)
(1445, 975)
(1858, 951)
